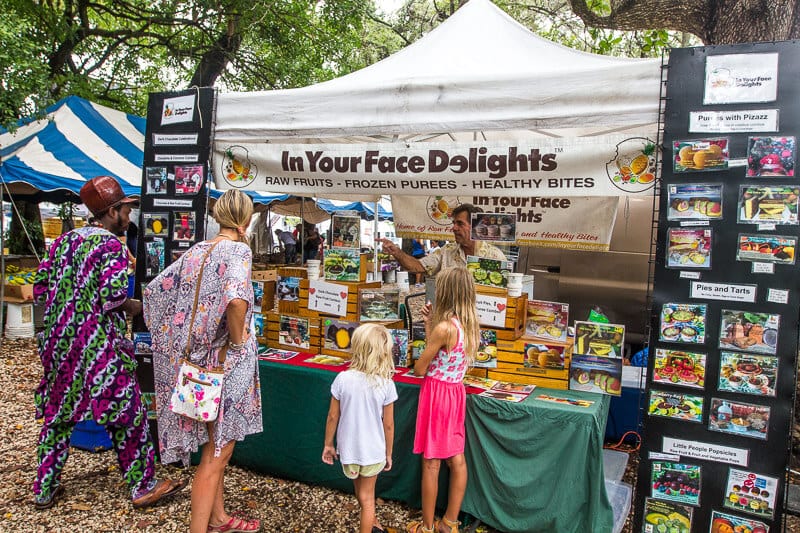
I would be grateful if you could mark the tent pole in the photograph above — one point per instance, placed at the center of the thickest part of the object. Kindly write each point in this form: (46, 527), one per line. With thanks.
(302, 232)
(376, 264)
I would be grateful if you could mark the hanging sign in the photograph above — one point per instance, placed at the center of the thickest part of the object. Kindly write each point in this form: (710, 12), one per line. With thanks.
(576, 223)
(593, 166)
(741, 78)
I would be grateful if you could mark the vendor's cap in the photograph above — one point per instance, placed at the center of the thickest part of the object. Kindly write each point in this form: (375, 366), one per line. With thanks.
(101, 193)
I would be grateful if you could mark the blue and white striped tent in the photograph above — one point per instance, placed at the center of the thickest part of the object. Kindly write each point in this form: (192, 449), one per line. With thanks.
(51, 158)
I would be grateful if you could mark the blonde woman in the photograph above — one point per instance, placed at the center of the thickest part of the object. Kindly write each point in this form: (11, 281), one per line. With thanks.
(222, 316)
(361, 416)
(451, 334)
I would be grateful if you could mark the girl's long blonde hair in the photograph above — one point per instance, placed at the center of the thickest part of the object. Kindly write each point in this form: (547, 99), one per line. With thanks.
(233, 210)
(371, 346)
(455, 297)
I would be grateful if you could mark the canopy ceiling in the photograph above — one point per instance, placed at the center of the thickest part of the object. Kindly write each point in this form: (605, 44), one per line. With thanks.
(479, 70)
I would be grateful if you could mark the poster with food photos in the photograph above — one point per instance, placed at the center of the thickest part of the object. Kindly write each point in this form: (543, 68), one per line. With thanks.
(749, 331)
(661, 516)
(156, 180)
(258, 295)
(765, 248)
(676, 405)
(768, 205)
(378, 304)
(680, 322)
(156, 224)
(547, 320)
(748, 373)
(337, 334)
(751, 493)
(183, 226)
(700, 155)
(591, 373)
(494, 227)
(677, 482)
(188, 179)
(771, 156)
(543, 356)
(599, 339)
(489, 272)
(293, 331)
(346, 231)
(739, 418)
(680, 368)
(727, 522)
(341, 264)
(694, 201)
(399, 346)
(486, 355)
(154, 259)
(689, 248)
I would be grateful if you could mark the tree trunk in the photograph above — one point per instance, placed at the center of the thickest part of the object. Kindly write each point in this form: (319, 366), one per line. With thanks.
(714, 22)
(214, 61)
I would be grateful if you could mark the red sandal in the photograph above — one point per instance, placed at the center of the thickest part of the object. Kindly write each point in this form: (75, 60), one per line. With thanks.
(236, 525)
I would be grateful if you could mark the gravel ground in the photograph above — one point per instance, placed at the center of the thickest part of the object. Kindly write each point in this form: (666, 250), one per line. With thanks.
(96, 498)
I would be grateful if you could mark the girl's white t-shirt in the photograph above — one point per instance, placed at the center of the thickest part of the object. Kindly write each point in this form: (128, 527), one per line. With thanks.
(359, 438)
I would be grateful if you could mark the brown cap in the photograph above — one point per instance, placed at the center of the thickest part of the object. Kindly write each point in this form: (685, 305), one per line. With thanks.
(101, 193)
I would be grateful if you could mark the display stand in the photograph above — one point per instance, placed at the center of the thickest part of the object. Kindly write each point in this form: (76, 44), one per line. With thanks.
(724, 322)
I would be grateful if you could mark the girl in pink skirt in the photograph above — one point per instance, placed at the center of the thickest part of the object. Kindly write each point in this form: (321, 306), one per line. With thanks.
(451, 333)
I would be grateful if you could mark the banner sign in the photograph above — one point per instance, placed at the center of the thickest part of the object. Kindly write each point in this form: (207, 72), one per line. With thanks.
(593, 166)
(575, 223)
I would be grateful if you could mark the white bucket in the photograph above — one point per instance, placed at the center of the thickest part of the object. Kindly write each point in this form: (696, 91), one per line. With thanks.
(402, 280)
(313, 268)
(19, 321)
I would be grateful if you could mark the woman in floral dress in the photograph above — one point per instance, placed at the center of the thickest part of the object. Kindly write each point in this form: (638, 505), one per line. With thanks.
(223, 317)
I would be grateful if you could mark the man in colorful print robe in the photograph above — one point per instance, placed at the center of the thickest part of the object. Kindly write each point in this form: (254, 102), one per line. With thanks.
(89, 365)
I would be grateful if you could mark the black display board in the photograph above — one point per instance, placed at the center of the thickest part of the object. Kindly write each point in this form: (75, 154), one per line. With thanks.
(720, 390)
(173, 201)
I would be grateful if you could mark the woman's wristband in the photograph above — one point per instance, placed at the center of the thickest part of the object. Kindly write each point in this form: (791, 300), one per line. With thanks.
(236, 346)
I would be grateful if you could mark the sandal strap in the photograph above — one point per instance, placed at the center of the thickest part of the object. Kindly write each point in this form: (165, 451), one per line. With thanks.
(453, 526)
(418, 527)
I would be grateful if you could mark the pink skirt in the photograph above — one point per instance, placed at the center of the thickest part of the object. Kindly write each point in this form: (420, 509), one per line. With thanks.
(440, 419)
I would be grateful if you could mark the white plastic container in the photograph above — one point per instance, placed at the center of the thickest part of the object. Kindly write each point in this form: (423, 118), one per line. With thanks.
(19, 321)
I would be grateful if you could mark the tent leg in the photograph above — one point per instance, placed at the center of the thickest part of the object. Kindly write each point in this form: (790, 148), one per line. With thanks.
(376, 264)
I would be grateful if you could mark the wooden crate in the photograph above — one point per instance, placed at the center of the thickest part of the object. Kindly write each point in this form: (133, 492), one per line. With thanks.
(265, 275)
(516, 312)
(268, 297)
(352, 298)
(511, 357)
(549, 383)
(273, 338)
(478, 372)
(346, 354)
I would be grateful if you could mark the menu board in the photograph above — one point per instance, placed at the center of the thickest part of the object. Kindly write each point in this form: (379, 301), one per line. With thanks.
(724, 322)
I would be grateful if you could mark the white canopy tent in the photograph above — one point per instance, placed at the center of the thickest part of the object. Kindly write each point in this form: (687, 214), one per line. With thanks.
(478, 71)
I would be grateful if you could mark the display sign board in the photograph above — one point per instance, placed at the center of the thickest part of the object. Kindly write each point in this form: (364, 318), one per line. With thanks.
(721, 396)
(613, 165)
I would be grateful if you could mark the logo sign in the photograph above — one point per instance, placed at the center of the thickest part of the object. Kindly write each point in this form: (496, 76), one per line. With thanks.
(177, 110)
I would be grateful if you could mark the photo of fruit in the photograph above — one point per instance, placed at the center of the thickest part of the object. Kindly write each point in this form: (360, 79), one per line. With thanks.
(486, 356)
(766, 248)
(543, 356)
(700, 155)
(686, 407)
(694, 202)
(688, 248)
(771, 156)
(750, 493)
(728, 523)
(597, 339)
(666, 517)
(155, 224)
(684, 369)
(677, 482)
(489, 272)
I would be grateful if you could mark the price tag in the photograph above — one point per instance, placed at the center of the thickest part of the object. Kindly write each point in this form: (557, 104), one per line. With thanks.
(770, 226)
(685, 223)
(685, 274)
(763, 268)
(778, 296)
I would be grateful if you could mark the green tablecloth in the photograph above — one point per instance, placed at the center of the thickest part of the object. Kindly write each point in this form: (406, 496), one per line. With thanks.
(533, 466)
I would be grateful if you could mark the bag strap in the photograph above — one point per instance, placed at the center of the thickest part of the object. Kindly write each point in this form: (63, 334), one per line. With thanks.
(221, 358)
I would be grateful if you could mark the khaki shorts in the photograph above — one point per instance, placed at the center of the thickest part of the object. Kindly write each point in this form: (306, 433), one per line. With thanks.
(354, 471)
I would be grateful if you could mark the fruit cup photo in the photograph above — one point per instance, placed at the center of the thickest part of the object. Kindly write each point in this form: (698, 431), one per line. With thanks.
(685, 407)
(694, 202)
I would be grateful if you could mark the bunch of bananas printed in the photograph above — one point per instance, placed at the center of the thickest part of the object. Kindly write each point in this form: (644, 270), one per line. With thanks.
(17, 276)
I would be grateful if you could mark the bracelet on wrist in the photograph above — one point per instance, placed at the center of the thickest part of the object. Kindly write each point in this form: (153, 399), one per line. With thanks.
(236, 347)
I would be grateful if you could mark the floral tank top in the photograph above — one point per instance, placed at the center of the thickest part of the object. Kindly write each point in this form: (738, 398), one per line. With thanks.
(451, 366)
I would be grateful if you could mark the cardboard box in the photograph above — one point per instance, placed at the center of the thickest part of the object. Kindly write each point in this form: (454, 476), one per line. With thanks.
(18, 292)
(265, 275)
(516, 312)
